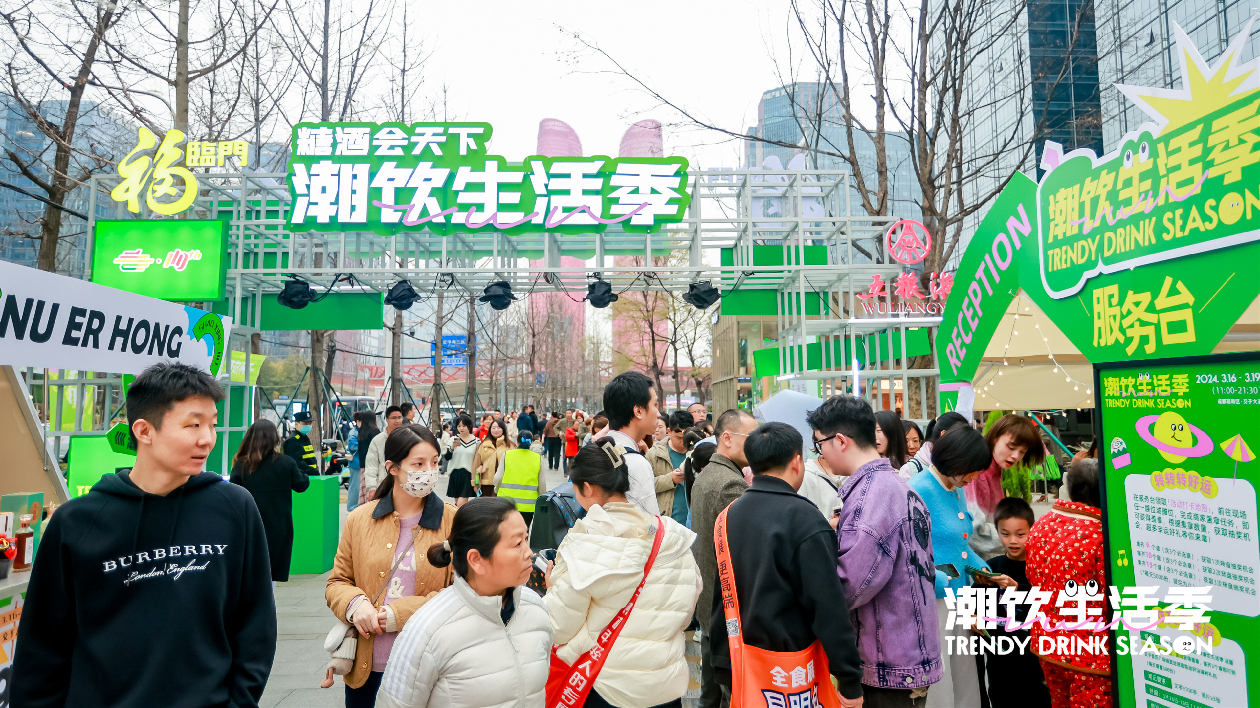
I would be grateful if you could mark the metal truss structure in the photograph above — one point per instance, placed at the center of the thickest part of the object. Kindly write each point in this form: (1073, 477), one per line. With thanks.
(730, 212)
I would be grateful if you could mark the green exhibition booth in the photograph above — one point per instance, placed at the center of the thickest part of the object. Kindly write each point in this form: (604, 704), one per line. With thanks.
(185, 261)
(1145, 259)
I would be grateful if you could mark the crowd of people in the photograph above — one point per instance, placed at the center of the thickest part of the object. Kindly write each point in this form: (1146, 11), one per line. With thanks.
(812, 579)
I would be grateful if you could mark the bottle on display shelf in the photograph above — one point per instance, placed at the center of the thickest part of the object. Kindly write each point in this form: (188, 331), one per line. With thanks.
(25, 541)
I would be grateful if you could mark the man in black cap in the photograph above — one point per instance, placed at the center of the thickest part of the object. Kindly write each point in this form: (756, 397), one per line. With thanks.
(299, 446)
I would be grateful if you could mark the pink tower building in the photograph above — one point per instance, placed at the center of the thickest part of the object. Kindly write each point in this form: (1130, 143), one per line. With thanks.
(630, 337)
(552, 309)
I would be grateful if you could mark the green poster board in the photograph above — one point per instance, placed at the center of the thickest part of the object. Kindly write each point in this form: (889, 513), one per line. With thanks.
(315, 525)
(181, 260)
(92, 457)
(1179, 509)
(335, 311)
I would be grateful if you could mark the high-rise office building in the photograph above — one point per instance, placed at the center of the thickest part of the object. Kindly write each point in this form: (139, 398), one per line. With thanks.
(1036, 80)
(808, 114)
(100, 132)
(1137, 46)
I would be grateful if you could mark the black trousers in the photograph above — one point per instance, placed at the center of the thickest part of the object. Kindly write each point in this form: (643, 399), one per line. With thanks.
(711, 694)
(1015, 680)
(364, 696)
(553, 453)
(874, 697)
(594, 700)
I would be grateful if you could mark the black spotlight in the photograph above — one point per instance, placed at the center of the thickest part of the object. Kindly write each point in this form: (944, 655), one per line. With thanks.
(702, 294)
(498, 294)
(402, 296)
(600, 294)
(296, 294)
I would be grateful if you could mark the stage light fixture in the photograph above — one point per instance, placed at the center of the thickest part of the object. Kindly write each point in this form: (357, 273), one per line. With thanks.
(702, 294)
(599, 293)
(296, 294)
(401, 296)
(498, 294)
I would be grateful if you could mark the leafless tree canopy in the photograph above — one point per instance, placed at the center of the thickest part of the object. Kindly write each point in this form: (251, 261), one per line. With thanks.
(920, 72)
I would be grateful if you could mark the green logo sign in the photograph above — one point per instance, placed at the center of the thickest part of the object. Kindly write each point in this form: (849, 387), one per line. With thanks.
(120, 439)
(1189, 189)
(172, 259)
(438, 177)
(210, 325)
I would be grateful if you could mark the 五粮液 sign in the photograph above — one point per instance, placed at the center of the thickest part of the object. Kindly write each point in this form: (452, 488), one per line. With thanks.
(439, 177)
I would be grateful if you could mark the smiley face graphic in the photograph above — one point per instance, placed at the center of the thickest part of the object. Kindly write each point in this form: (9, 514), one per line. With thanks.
(1231, 208)
(1173, 437)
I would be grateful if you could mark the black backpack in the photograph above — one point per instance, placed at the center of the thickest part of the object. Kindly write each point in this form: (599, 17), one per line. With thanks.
(554, 514)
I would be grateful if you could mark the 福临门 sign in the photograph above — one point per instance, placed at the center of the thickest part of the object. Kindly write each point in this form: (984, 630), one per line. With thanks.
(172, 259)
(153, 170)
(390, 177)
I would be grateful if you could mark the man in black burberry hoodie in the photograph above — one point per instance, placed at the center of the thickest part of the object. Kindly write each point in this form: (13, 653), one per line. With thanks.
(154, 588)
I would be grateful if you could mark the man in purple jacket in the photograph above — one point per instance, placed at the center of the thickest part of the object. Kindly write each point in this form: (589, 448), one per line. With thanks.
(885, 559)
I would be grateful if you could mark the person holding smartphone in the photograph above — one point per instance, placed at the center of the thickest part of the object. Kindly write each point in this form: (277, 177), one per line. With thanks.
(885, 560)
(957, 460)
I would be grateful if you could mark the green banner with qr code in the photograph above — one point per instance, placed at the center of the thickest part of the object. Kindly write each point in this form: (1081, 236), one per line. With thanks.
(1177, 442)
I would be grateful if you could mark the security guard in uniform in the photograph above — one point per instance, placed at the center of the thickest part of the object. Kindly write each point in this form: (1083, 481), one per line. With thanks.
(520, 478)
(299, 446)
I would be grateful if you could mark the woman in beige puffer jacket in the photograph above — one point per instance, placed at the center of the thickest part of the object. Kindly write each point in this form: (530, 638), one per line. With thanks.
(599, 565)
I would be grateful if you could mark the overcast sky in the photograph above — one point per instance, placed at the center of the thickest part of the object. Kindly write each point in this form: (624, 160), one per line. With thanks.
(510, 64)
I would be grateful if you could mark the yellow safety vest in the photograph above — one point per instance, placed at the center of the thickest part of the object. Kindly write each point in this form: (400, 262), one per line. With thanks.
(520, 478)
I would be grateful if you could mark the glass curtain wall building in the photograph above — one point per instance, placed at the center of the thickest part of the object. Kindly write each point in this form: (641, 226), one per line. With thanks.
(808, 114)
(99, 132)
(1035, 82)
(1137, 46)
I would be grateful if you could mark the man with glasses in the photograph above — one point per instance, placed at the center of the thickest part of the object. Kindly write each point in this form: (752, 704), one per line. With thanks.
(885, 558)
(374, 462)
(718, 484)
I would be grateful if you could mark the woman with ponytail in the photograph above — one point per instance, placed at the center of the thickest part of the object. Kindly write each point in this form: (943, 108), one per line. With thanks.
(380, 576)
(485, 640)
(608, 557)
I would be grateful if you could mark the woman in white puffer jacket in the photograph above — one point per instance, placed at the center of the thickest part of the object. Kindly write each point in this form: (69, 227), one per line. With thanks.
(599, 564)
(486, 640)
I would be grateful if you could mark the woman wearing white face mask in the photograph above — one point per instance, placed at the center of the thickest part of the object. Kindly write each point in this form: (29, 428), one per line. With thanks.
(382, 555)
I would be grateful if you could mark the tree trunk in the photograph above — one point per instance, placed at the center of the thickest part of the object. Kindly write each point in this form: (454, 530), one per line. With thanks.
(470, 358)
(330, 340)
(677, 383)
(435, 400)
(395, 360)
(255, 348)
(50, 232)
(325, 102)
(181, 69)
(313, 391)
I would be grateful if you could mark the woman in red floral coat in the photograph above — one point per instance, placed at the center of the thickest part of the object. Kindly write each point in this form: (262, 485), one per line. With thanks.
(1065, 555)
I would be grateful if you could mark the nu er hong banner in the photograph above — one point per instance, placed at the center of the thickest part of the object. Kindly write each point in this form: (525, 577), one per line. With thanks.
(439, 177)
(51, 321)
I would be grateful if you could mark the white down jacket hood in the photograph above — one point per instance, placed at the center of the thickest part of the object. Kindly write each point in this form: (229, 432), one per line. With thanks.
(599, 564)
(455, 652)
